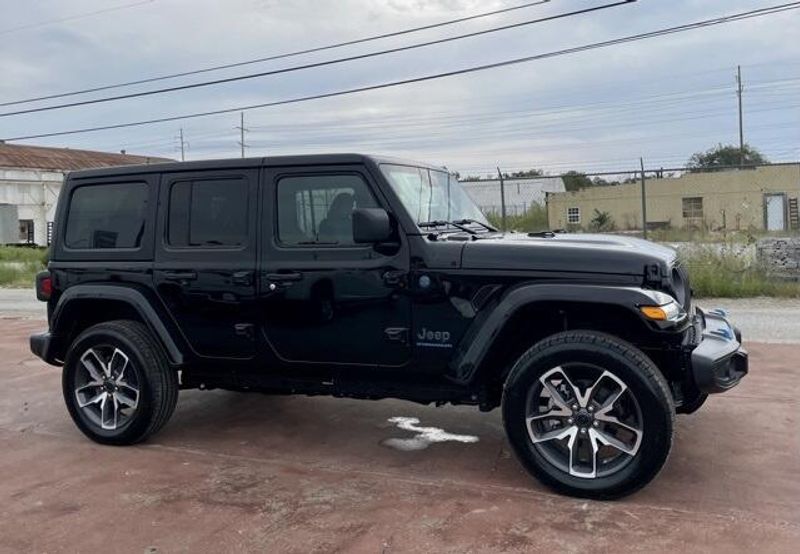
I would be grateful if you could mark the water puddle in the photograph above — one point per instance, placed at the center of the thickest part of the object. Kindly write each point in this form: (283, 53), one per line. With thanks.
(425, 436)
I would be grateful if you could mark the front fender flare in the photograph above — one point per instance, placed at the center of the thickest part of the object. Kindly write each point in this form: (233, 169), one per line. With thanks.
(478, 340)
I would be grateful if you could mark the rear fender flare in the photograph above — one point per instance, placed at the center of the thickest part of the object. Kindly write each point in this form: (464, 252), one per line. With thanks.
(134, 298)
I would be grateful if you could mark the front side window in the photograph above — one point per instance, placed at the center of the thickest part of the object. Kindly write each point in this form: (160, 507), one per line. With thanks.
(107, 216)
(431, 195)
(318, 209)
(208, 213)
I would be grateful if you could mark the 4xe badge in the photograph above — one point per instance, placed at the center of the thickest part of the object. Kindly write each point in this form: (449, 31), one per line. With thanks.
(433, 339)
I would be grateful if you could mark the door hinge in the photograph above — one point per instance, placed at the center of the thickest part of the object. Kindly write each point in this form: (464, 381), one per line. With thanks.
(397, 334)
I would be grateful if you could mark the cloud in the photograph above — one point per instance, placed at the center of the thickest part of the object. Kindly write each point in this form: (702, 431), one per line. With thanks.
(661, 99)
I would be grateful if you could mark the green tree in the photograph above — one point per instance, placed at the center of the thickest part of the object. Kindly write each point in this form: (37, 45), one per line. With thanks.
(726, 155)
(528, 173)
(575, 180)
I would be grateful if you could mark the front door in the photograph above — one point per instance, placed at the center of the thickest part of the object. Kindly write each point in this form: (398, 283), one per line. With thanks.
(323, 298)
(205, 259)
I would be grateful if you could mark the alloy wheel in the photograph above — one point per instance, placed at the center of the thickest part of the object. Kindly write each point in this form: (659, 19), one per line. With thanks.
(107, 387)
(584, 420)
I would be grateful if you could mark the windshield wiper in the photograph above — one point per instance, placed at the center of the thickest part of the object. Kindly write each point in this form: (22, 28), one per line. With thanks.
(476, 222)
(442, 223)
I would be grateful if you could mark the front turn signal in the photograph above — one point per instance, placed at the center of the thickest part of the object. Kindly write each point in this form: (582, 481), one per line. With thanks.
(668, 312)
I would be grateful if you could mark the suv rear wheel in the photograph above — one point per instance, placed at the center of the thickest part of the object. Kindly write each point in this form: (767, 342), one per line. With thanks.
(117, 384)
(588, 414)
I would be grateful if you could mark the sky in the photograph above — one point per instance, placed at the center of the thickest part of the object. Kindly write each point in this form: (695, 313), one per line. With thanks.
(661, 99)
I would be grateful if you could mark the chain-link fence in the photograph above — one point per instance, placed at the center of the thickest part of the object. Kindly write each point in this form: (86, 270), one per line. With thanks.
(735, 228)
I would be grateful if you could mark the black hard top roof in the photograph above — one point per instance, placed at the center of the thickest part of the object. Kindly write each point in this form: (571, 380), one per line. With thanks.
(233, 163)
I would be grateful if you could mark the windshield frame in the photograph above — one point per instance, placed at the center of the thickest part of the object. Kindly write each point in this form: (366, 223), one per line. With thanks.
(474, 213)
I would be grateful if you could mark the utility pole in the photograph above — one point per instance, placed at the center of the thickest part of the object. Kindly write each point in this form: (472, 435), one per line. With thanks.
(644, 202)
(242, 131)
(502, 199)
(739, 90)
(183, 147)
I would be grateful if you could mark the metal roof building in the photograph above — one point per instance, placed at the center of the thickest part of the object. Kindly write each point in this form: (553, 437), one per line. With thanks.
(31, 179)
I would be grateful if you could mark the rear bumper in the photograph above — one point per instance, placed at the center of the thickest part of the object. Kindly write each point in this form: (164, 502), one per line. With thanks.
(718, 362)
(42, 346)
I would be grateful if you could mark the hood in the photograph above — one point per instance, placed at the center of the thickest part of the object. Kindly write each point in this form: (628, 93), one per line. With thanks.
(568, 253)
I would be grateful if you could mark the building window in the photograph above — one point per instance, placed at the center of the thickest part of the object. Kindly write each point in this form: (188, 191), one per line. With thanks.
(208, 213)
(574, 216)
(693, 207)
(49, 233)
(26, 231)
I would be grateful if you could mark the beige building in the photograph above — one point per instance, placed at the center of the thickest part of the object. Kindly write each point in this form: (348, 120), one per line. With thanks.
(760, 198)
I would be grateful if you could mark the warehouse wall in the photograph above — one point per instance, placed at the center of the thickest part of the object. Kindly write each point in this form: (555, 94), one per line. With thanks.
(34, 193)
(731, 199)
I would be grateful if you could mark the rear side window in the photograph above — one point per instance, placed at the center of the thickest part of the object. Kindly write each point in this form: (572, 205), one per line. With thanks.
(107, 216)
(208, 213)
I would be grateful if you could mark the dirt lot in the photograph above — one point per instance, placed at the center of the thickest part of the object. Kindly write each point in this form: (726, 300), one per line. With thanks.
(238, 472)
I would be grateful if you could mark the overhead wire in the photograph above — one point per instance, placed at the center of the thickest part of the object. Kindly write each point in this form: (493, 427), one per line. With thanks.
(315, 65)
(462, 71)
(278, 56)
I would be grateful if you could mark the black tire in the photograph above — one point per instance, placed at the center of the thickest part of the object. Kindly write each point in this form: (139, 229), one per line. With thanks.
(589, 349)
(145, 370)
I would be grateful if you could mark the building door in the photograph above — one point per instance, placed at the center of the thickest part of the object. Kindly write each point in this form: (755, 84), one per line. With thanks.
(775, 211)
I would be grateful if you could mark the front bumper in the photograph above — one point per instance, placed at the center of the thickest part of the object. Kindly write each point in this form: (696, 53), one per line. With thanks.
(718, 361)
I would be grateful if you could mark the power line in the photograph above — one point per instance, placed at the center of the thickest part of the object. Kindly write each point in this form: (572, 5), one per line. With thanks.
(316, 64)
(278, 56)
(72, 18)
(473, 69)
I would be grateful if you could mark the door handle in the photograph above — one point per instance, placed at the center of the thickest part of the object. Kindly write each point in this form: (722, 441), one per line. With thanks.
(180, 275)
(284, 277)
(242, 278)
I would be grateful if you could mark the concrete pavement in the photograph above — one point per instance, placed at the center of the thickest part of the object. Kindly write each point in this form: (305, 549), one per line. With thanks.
(252, 473)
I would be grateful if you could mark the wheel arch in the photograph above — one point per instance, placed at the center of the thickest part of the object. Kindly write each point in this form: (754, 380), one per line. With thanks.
(82, 306)
(529, 313)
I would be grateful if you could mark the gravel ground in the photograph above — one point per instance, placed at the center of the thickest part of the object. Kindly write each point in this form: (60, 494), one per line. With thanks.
(770, 320)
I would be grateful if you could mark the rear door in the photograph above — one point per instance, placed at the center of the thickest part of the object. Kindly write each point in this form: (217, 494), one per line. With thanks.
(205, 259)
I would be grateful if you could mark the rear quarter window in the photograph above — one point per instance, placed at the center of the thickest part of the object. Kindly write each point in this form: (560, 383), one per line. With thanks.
(107, 216)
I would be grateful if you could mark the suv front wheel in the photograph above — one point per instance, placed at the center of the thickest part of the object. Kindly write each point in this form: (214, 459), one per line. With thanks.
(588, 414)
(117, 384)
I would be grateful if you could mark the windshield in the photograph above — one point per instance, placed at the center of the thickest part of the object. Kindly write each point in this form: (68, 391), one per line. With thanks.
(430, 195)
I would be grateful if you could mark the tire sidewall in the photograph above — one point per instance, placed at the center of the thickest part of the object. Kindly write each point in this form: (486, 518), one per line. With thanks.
(655, 408)
(98, 336)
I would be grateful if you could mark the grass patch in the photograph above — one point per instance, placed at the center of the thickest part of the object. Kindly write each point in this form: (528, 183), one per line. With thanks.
(19, 274)
(23, 254)
(19, 266)
(535, 219)
(719, 272)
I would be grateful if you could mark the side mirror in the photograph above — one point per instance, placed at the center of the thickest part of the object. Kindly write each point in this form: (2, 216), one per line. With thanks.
(371, 226)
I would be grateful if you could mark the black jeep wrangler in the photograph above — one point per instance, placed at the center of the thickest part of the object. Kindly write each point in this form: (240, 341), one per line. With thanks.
(365, 277)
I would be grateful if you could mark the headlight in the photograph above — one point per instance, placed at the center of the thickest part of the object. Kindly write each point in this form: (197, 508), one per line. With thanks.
(670, 311)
